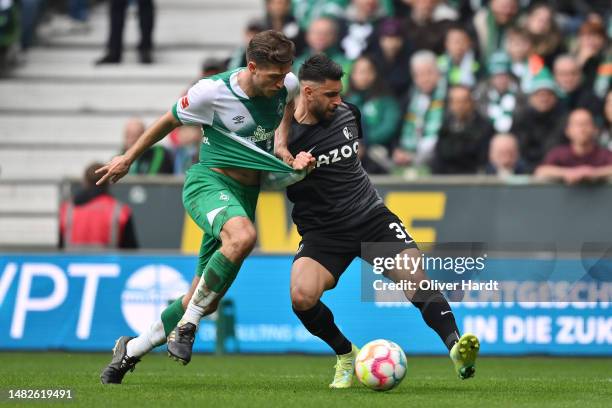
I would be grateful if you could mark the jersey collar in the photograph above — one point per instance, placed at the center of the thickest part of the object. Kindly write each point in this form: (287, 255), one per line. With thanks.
(234, 85)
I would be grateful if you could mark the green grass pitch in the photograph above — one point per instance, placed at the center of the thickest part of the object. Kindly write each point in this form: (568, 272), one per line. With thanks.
(301, 381)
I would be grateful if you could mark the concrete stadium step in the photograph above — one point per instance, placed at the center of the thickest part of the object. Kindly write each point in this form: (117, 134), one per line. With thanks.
(64, 96)
(29, 198)
(62, 131)
(29, 214)
(176, 25)
(29, 231)
(179, 67)
(40, 164)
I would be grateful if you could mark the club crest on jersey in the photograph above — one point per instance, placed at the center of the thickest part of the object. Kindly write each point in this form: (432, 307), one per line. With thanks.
(238, 119)
(184, 102)
(223, 197)
(347, 133)
(260, 134)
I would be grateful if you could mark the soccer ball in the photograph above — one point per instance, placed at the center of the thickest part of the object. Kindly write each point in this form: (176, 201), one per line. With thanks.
(380, 365)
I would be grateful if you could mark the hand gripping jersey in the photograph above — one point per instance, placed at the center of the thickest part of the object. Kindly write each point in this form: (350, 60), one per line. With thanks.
(237, 131)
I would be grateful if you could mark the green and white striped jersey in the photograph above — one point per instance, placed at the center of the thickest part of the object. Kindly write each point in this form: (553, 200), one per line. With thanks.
(237, 131)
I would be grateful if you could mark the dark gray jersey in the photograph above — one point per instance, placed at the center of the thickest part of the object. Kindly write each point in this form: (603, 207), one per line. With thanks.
(337, 195)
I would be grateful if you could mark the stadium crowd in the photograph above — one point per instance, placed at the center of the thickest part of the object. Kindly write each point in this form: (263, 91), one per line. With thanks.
(458, 87)
(465, 87)
(453, 86)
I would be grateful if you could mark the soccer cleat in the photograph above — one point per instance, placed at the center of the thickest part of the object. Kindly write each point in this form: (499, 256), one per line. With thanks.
(345, 369)
(120, 364)
(180, 342)
(464, 354)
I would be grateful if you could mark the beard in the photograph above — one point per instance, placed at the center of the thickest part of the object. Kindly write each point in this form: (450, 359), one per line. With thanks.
(323, 114)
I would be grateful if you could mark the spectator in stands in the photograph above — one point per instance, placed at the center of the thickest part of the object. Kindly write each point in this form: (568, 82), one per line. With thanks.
(359, 25)
(545, 36)
(187, 148)
(595, 8)
(442, 10)
(279, 18)
(424, 31)
(590, 52)
(459, 64)
(238, 58)
(380, 113)
(491, 24)
(392, 54)
(538, 126)
(499, 95)
(466, 9)
(583, 160)
(94, 219)
(146, 16)
(504, 156)
(424, 113)
(307, 11)
(28, 14)
(572, 93)
(525, 63)
(464, 136)
(9, 34)
(156, 160)
(606, 134)
(322, 36)
(211, 66)
(519, 48)
(572, 13)
(78, 11)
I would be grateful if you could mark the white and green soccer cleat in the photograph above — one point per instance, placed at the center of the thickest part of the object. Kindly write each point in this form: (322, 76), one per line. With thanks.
(345, 369)
(464, 354)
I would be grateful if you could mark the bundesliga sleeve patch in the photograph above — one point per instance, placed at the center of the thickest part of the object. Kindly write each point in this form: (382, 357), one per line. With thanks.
(184, 102)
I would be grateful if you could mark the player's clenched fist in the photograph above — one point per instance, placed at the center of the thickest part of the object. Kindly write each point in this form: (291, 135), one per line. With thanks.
(303, 160)
(114, 170)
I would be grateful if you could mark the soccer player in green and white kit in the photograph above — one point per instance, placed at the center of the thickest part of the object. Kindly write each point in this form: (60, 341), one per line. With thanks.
(239, 112)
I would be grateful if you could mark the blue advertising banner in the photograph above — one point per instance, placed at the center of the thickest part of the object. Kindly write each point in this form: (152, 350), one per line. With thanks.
(84, 302)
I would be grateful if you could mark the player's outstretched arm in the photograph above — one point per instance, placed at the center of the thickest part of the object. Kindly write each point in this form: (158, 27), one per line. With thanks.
(281, 136)
(120, 165)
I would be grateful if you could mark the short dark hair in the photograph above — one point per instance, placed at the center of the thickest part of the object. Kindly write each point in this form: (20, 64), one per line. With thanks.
(270, 48)
(320, 67)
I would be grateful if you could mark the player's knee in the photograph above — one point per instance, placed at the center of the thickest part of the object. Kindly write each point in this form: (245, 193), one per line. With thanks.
(304, 299)
(241, 242)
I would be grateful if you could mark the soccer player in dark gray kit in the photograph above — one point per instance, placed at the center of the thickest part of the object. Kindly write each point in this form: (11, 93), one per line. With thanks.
(336, 208)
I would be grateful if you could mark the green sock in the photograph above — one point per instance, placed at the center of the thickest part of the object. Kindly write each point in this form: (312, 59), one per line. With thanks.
(220, 272)
(172, 314)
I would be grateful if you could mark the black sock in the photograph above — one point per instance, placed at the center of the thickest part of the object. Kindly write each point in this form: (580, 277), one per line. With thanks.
(319, 321)
(438, 315)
